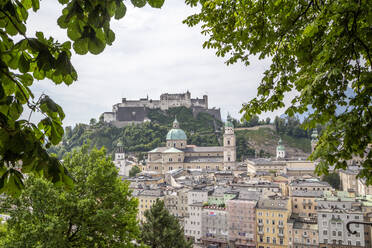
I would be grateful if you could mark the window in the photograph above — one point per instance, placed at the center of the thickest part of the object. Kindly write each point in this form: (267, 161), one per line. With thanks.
(339, 233)
(274, 240)
(268, 240)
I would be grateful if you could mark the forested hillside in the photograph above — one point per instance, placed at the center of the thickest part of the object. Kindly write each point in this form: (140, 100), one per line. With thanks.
(201, 130)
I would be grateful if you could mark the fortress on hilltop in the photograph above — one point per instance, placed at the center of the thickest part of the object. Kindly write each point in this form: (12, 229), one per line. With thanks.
(135, 111)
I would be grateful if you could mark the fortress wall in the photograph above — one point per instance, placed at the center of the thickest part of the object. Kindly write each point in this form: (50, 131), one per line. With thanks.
(109, 116)
(166, 104)
(199, 103)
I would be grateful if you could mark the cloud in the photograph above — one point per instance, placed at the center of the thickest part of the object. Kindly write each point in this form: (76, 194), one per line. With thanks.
(153, 53)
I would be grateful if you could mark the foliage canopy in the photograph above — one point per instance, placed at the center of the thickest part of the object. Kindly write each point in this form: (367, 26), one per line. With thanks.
(321, 58)
(162, 229)
(98, 212)
(24, 59)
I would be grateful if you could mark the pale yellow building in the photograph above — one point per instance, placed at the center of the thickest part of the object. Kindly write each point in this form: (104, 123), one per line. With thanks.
(272, 216)
(302, 234)
(146, 198)
(177, 154)
(304, 203)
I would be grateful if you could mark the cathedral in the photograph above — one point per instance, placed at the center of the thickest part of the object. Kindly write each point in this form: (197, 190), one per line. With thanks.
(177, 154)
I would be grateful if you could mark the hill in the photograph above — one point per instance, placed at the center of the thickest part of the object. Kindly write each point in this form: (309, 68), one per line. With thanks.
(202, 130)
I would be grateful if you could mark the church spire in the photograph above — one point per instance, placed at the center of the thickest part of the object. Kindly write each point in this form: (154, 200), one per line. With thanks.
(175, 123)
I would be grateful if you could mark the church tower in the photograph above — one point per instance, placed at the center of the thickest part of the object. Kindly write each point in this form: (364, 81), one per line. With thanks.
(229, 147)
(280, 149)
(176, 137)
(314, 139)
(120, 159)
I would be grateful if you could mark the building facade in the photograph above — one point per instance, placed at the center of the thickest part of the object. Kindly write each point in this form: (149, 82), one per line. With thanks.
(214, 226)
(242, 222)
(272, 216)
(136, 111)
(179, 155)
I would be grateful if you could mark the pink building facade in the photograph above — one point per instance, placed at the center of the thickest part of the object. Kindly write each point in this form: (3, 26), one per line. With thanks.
(242, 222)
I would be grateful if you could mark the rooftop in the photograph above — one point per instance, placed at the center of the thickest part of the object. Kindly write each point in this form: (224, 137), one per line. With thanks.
(274, 204)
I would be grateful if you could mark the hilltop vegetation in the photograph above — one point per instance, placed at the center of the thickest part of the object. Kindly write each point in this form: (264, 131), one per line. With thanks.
(254, 138)
(201, 130)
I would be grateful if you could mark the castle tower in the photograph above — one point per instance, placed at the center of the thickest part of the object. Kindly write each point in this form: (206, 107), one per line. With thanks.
(176, 137)
(205, 97)
(314, 139)
(280, 150)
(229, 147)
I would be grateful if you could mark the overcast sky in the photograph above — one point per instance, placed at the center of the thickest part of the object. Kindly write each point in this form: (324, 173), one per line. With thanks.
(153, 53)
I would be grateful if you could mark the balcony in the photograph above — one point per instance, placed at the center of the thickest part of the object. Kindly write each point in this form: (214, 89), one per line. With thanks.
(260, 224)
(280, 225)
(307, 203)
(260, 232)
(281, 234)
(305, 235)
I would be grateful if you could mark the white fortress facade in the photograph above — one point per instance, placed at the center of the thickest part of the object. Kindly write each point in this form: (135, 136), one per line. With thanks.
(135, 111)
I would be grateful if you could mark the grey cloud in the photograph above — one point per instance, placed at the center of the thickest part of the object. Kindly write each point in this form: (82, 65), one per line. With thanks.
(153, 53)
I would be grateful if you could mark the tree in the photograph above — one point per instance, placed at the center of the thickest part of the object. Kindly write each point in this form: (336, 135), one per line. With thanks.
(98, 212)
(134, 171)
(161, 229)
(92, 122)
(320, 52)
(333, 179)
(24, 59)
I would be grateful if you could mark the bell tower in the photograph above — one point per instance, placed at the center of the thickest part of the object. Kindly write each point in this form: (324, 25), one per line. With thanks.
(229, 146)
(314, 139)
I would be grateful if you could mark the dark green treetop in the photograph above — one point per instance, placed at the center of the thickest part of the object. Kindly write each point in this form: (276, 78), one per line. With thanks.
(162, 229)
(98, 212)
(22, 60)
(321, 59)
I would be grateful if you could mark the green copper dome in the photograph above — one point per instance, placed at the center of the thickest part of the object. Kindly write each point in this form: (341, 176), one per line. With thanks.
(280, 147)
(176, 134)
(228, 124)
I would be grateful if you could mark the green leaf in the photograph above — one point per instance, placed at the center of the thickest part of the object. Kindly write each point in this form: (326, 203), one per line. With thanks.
(110, 37)
(138, 3)
(74, 31)
(120, 10)
(23, 64)
(81, 46)
(95, 45)
(156, 3)
(35, 5)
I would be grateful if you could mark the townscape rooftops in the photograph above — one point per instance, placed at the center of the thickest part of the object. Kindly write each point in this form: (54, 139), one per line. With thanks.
(266, 161)
(310, 183)
(172, 150)
(203, 159)
(306, 226)
(203, 149)
(305, 193)
(151, 192)
(158, 149)
(274, 204)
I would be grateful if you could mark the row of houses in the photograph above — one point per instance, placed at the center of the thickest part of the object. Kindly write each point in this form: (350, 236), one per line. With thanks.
(261, 212)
